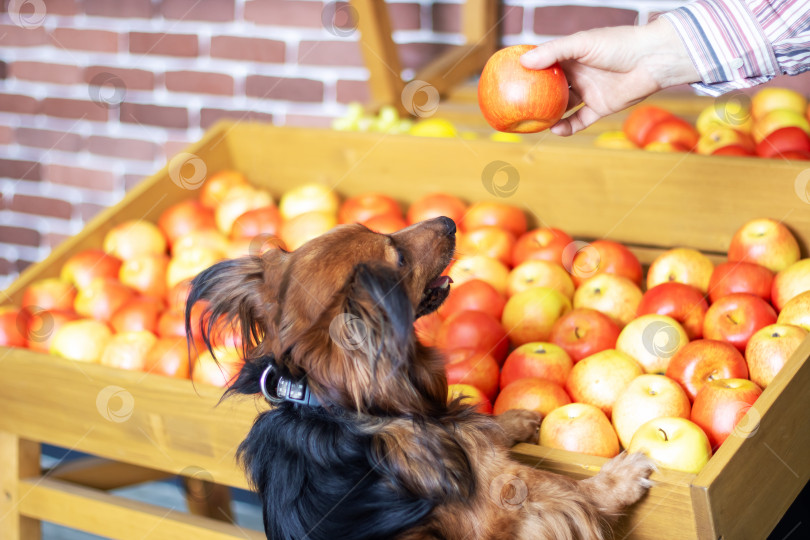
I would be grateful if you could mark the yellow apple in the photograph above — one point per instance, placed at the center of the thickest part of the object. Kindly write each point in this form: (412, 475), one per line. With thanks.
(790, 282)
(652, 340)
(600, 378)
(615, 296)
(647, 397)
(772, 99)
(238, 200)
(769, 349)
(579, 427)
(683, 265)
(297, 231)
(189, 262)
(537, 273)
(128, 350)
(734, 114)
(720, 137)
(308, 198)
(778, 119)
(529, 315)
(134, 238)
(614, 140)
(673, 443)
(766, 242)
(82, 340)
(796, 311)
(480, 267)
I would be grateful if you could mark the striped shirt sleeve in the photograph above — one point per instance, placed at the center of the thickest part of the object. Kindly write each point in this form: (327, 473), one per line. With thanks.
(741, 43)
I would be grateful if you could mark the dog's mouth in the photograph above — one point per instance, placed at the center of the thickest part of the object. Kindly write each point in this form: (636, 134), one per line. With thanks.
(435, 293)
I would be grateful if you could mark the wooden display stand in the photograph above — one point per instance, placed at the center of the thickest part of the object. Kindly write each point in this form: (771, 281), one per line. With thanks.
(647, 200)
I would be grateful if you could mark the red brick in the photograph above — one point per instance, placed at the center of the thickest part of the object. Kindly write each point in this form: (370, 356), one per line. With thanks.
(19, 235)
(284, 12)
(39, 71)
(348, 91)
(21, 170)
(88, 211)
(18, 104)
(127, 8)
(330, 53)
(130, 181)
(6, 135)
(43, 138)
(3, 70)
(7, 267)
(447, 17)
(164, 44)
(416, 55)
(209, 117)
(251, 49)
(512, 20)
(41, 206)
(85, 178)
(63, 7)
(304, 90)
(304, 120)
(564, 20)
(22, 264)
(133, 79)
(198, 10)
(14, 36)
(200, 83)
(54, 239)
(155, 115)
(172, 148)
(405, 16)
(123, 148)
(73, 108)
(85, 40)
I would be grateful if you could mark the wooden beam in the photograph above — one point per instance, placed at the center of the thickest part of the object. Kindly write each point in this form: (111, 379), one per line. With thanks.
(104, 474)
(456, 65)
(18, 458)
(480, 24)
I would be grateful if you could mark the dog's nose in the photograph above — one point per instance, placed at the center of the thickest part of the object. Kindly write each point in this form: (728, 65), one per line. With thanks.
(449, 225)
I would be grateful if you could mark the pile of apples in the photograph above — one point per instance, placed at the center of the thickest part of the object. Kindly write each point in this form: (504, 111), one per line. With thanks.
(775, 123)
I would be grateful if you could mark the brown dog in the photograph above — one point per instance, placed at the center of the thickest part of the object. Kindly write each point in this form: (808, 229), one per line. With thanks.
(361, 442)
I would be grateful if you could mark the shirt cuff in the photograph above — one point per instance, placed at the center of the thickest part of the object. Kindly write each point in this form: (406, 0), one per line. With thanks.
(726, 45)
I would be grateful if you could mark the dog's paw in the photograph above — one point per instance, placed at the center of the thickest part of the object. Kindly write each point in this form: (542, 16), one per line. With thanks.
(623, 480)
(519, 425)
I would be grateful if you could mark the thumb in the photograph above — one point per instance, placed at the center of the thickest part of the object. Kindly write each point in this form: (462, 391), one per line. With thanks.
(556, 50)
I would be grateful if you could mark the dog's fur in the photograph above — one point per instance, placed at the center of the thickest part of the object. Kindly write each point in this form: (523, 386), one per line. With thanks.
(385, 456)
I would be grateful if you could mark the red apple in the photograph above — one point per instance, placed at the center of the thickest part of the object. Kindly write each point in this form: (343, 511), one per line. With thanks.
(720, 405)
(489, 241)
(769, 349)
(300, 229)
(146, 274)
(735, 318)
(705, 360)
(305, 198)
(535, 273)
(238, 200)
(681, 265)
(764, 241)
(532, 394)
(469, 395)
(361, 208)
(740, 277)
(189, 262)
(480, 267)
(797, 311)
(473, 295)
(641, 120)
(185, 217)
(12, 327)
(579, 427)
(645, 398)
(539, 360)
(602, 257)
(263, 220)
(102, 298)
(386, 223)
(139, 313)
(494, 214)
(683, 303)
(582, 332)
(545, 244)
(601, 378)
(652, 340)
(474, 330)
(128, 350)
(436, 205)
(169, 357)
(49, 294)
(529, 315)
(790, 283)
(42, 326)
(673, 130)
(426, 328)
(673, 443)
(217, 186)
(468, 366)
(516, 99)
(80, 269)
(134, 238)
(733, 150)
(786, 139)
(220, 372)
(615, 296)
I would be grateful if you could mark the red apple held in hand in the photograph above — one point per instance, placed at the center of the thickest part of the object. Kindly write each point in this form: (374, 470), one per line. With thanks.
(545, 244)
(42, 326)
(49, 294)
(579, 427)
(736, 317)
(516, 99)
(468, 366)
(769, 349)
(534, 273)
(766, 242)
(652, 340)
(740, 277)
(469, 395)
(790, 283)
(681, 265)
(489, 241)
(673, 443)
(80, 269)
(185, 217)
(601, 378)
(538, 360)
(601, 257)
(721, 405)
(705, 360)
(797, 311)
(480, 267)
(645, 398)
(529, 315)
(102, 298)
(532, 394)
(494, 214)
(615, 296)
(474, 330)
(582, 332)
(684, 303)
(473, 295)
(436, 205)
(128, 350)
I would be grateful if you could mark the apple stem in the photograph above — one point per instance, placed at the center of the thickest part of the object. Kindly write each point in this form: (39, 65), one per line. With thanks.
(731, 318)
(664, 433)
(576, 333)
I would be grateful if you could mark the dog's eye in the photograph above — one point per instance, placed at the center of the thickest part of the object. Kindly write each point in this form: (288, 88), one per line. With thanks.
(400, 258)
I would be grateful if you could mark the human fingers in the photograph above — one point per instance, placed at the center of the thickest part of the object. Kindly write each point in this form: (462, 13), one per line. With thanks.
(578, 121)
(556, 50)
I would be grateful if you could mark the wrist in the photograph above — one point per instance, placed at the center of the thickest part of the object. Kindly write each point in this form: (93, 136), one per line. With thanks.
(666, 57)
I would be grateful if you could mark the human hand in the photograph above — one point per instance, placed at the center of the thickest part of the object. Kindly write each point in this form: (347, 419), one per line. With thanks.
(610, 69)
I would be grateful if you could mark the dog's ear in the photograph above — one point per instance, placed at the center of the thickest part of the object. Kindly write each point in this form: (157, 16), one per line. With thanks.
(241, 294)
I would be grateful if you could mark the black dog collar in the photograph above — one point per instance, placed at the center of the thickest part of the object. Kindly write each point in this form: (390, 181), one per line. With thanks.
(288, 390)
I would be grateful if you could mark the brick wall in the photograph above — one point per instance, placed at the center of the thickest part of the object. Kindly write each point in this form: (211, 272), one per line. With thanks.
(96, 94)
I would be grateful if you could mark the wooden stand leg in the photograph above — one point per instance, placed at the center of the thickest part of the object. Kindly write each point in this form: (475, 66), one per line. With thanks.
(208, 499)
(18, 459)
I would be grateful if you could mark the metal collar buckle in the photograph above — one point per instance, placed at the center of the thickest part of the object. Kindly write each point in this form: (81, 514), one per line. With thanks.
(288, 390)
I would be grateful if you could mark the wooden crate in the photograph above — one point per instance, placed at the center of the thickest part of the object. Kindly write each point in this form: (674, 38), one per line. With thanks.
(649, 201)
